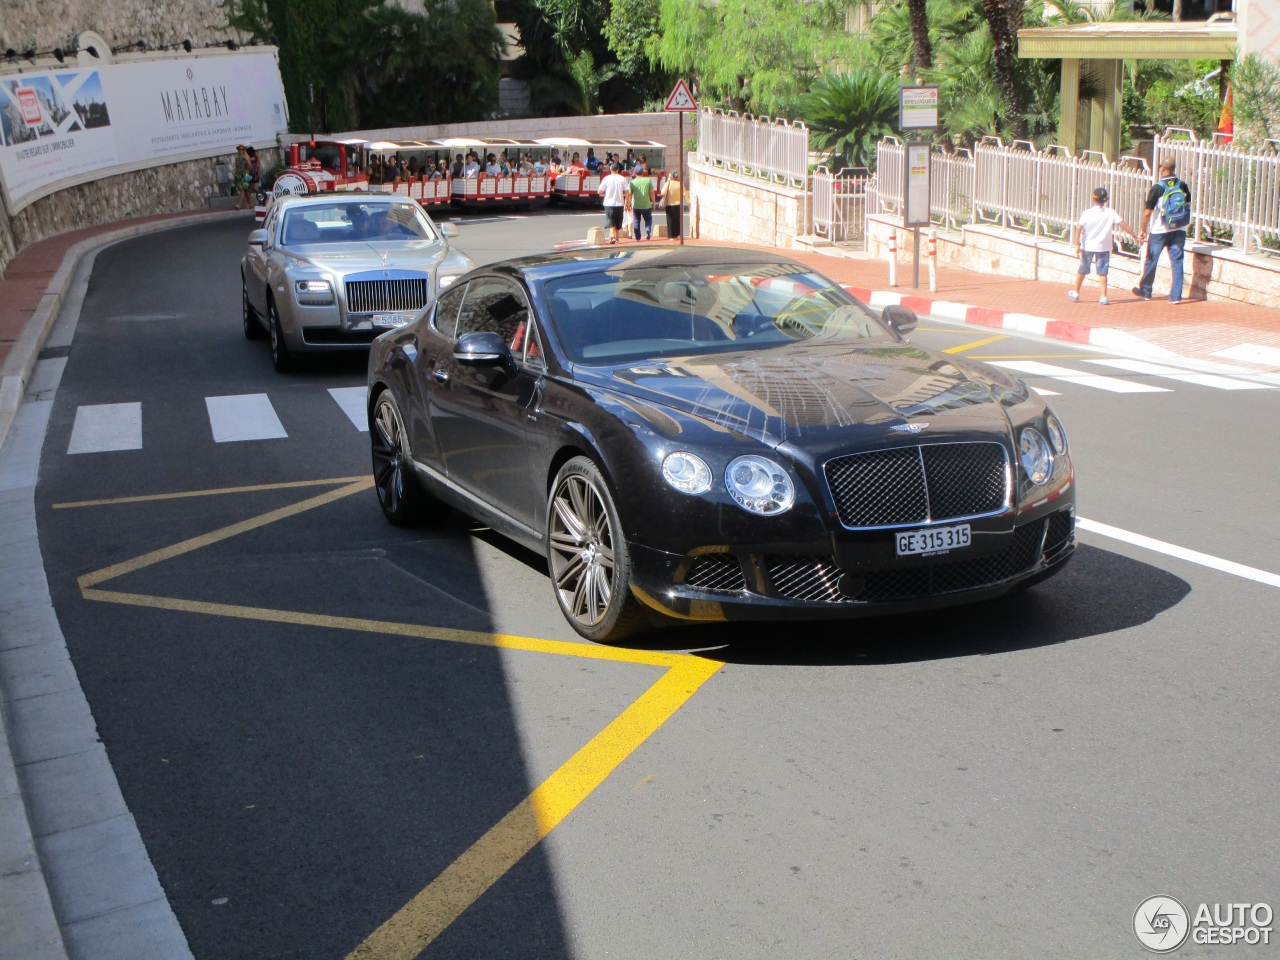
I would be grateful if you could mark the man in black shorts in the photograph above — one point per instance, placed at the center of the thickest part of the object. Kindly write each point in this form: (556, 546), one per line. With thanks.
(614, 188)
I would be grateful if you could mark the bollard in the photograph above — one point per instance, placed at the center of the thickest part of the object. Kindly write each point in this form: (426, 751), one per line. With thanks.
(933, 260)
(893, 258)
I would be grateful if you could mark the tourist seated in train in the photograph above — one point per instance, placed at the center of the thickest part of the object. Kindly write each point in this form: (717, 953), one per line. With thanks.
(504, 164)
(411, 168)
(539, 167)
(526, 165)
(458, 166)
(593, 162)
(553, 166)
(472, 169)
(576, 165)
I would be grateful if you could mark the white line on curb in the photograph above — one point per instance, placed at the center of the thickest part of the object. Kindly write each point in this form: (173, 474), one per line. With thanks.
(1182, 553)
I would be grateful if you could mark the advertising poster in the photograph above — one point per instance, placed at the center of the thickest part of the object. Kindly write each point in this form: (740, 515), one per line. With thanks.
(69, 126)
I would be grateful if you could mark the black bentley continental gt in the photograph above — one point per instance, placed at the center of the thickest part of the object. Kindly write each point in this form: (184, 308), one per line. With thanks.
(698, 433)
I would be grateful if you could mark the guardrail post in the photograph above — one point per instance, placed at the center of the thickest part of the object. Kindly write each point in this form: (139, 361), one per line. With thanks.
(893, 256)
(933, 260)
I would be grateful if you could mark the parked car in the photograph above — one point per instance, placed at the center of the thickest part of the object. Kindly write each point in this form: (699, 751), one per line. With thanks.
(332, 271)
(707, 434)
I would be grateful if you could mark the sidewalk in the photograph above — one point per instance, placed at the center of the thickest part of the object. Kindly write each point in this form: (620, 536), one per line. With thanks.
(31, 295)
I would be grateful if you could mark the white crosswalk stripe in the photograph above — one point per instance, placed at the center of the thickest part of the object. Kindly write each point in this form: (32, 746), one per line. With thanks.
(352, 402)
(103, 427)
(1067, 375)
(1184, 376)
(248, 416)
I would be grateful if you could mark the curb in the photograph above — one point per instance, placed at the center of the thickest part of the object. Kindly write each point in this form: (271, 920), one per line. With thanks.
(1107, 338)
(15, 375)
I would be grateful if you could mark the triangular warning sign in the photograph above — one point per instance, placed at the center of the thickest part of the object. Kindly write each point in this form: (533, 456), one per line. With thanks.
(681, 100)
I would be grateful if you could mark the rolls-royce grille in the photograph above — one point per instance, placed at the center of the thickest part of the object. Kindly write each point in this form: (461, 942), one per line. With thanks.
(716, 571)
(373, 296)
(942, 481)
(818, 578)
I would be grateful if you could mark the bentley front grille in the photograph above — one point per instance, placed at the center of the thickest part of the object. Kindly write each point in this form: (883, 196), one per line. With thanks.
(716, 571)
(924, 484)
(806, 578)
(378, 296)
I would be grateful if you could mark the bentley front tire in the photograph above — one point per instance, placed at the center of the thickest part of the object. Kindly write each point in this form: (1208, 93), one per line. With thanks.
(587, 555)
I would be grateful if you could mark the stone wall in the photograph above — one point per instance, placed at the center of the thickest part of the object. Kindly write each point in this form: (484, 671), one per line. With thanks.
(1211, 271)
(191, 185)
(46, 24)
(726, 206)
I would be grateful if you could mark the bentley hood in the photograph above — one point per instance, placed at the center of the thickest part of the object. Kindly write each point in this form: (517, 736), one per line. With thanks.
(800, 391)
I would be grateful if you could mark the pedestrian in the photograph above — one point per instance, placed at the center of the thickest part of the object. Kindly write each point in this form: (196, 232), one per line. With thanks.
(1094, 242)
(614, 189)
(255, 169)
(641, 197)
(1164, 227)
(244, 185)
(673, 201)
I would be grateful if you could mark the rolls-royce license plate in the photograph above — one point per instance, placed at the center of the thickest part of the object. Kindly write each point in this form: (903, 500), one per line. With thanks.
(391, 319)
(937, 540)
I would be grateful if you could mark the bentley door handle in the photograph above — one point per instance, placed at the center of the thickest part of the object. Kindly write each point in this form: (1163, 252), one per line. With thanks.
(440, 376)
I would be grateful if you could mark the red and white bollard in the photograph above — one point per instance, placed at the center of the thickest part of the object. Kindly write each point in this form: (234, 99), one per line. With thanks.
(893, 258)
(933, 260)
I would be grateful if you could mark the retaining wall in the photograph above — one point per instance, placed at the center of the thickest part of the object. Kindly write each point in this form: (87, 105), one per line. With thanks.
(730, 207)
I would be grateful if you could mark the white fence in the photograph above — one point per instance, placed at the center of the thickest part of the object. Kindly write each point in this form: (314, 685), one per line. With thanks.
(1235, 194)
(773, 150)
(839, 203)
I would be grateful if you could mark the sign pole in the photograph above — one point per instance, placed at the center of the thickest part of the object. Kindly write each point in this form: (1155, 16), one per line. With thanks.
(682, 188)
(681, 102)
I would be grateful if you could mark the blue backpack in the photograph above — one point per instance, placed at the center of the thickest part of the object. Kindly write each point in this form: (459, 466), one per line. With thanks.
(1174, 209)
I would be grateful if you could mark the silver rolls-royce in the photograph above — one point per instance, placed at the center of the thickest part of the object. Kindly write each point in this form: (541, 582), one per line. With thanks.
(332, 271)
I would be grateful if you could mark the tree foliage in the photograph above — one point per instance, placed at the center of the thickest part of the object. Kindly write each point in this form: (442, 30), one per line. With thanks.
(849, 113)
(1256, 100)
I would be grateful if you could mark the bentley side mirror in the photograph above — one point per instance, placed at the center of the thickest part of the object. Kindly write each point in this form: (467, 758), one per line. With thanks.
(901, 320)
(484, 349)
(448, 229)
(257, 238)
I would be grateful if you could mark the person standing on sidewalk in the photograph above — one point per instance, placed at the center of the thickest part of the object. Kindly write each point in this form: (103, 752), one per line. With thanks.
(641, 188)
(614, 189)
(1164, 227)
(672, 200)
(1094, 242)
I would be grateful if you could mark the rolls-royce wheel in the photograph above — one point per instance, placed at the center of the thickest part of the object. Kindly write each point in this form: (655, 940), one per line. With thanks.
(281, 358)
(252, 329)
(400, 495)
(588, 558)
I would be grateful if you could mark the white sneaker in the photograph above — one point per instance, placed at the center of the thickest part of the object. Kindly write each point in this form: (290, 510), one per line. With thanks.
(1103, 301)
(1073, 295)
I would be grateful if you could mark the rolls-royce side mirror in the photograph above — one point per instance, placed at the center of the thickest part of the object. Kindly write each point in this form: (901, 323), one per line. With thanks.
(448, 229)
(901, 320)
(258, 238)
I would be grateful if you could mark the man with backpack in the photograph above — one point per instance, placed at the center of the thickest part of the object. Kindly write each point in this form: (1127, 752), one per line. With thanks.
(1164, 227)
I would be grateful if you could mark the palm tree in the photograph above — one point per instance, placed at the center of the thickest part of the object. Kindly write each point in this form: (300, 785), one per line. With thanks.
(1003, 19)
(921, 51)
(849, 113)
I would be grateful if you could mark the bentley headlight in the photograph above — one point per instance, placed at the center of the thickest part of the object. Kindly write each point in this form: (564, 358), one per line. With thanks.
(1057, 436)
(314, 292)
(1033, 450)
(759, 485)
(687, 473)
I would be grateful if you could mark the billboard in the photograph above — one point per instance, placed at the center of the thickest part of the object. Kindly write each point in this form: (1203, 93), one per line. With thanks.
(71, 125)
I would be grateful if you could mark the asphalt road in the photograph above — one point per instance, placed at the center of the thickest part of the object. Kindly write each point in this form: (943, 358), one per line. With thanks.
(310, 727)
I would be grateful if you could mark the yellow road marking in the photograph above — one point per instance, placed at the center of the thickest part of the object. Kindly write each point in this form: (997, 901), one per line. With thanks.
(409, 931)
(291, 485)
(976, 343)
(411, 928)
(1033, 356)
(195, 543)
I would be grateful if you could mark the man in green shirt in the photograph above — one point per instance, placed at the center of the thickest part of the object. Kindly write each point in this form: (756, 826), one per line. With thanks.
(641, 198)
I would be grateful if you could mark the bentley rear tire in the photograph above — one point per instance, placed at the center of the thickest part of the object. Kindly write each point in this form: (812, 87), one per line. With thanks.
(587, 555)
(400, 495)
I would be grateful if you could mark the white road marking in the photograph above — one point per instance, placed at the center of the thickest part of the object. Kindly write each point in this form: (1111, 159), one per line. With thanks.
(1066, 374)
(352, 402)
(248, 416)
(1252, 353)
(107, 426)
(1173, 373)
(1182, 553)
(1046, 393)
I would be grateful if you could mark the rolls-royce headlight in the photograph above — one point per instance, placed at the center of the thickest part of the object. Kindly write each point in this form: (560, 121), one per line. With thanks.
(687, 473)
(314, 292)
(447, 280)
(758, 485)
(1033, 450)
(1057, 436)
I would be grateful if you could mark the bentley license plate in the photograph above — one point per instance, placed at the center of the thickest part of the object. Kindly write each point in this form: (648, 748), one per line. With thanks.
(391, 319)
(937, 540)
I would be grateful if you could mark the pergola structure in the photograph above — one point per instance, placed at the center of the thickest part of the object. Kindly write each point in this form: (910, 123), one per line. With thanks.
(1095, 124)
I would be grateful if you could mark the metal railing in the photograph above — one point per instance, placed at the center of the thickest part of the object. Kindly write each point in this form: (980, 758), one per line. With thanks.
(773, 150)
(1235, 193)
(839, 203)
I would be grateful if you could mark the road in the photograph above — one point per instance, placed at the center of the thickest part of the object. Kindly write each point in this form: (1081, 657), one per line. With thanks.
(311, 722)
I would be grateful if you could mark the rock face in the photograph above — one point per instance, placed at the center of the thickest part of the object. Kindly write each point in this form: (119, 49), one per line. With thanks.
(46, 24)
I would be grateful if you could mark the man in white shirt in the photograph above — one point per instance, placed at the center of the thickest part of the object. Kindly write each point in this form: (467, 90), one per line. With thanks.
(472, 169)
(1094, 242)
(615, 189)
